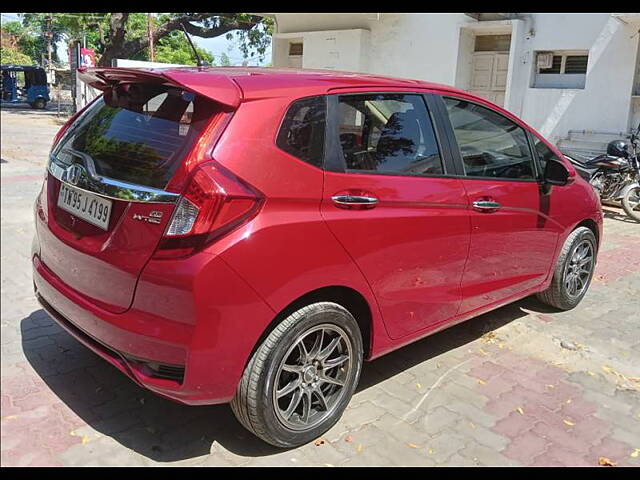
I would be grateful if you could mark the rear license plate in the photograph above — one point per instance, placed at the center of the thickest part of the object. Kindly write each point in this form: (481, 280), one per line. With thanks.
(87, 206)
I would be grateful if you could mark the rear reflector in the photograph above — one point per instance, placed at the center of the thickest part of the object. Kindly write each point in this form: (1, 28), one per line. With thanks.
(183, 219)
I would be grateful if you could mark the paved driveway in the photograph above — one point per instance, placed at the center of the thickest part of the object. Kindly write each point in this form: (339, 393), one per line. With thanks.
(519, 386)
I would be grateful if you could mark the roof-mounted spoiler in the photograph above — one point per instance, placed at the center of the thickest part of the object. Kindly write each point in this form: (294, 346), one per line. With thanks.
(217, 87)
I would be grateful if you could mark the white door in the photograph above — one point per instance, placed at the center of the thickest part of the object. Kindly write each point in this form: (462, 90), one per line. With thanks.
(489, 75)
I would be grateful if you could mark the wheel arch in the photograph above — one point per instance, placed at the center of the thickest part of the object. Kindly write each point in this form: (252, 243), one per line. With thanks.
(347, 297)
(593, 226)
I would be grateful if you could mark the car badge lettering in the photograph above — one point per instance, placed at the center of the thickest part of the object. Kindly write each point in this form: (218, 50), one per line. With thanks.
(153, 217)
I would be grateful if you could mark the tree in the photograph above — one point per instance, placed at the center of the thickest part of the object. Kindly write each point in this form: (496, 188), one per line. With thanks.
(17, 42)
(14, 56)
(35, 41)
(174, 48)
(124, 35)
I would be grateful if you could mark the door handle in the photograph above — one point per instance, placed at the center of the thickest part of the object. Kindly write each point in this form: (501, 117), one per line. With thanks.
(486, 205)
(354, 201)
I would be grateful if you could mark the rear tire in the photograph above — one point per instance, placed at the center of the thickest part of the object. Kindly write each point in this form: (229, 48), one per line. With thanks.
(631, 203)
(574, 270)
(291, 360)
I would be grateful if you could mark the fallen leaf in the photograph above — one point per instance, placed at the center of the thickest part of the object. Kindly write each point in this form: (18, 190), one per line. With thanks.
(319, 442)
(481, 382)
(636, 453)
(483, 352)
(348, 439)
(606, 462)
(413, 445)
(9, 417)
(359, 448)
(419, 386)
(549, 386)
(591, 373)
(568, 400)
(472, 425)
(568, 422)
(430, 451)
(85, 440)
(520, 410)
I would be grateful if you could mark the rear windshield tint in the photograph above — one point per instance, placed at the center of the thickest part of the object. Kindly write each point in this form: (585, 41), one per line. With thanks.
(139, 135)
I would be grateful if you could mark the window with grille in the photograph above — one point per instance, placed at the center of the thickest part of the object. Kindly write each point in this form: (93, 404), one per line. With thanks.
(295, 49)
(567, 70)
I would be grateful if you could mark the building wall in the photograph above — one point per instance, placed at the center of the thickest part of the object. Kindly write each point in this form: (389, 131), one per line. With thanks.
(418, 46)
(604, 104)
(437, 47)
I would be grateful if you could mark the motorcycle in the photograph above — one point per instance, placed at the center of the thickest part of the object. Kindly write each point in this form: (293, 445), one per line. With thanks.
(616, 174)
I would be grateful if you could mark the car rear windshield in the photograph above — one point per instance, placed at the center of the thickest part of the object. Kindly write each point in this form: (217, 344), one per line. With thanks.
(137, 134)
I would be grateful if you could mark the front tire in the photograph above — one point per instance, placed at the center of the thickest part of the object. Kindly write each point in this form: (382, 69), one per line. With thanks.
(631, 203)
(574, 271)
(301, 378)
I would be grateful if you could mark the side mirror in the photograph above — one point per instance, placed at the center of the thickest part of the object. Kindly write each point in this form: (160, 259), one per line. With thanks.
(555, 173)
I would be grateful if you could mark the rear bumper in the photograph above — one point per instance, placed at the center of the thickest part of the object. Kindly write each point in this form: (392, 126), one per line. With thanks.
(202, 349)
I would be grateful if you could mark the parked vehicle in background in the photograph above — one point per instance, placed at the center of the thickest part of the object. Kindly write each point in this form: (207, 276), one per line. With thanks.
(615, 175)
(253, 235)
(29, 87)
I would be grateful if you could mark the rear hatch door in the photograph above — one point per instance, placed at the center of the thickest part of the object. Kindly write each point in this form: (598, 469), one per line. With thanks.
(109, 190)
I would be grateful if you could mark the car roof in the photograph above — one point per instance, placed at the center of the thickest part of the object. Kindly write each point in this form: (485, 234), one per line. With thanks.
(258, 82)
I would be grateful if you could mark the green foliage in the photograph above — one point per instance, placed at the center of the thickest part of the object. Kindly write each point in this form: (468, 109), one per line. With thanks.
(254, 41)
(14, 56)
(34, 42)
(224, 60)
(174, 48)
(28, 48)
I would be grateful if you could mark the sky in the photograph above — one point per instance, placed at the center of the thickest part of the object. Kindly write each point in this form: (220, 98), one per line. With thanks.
(216, 46)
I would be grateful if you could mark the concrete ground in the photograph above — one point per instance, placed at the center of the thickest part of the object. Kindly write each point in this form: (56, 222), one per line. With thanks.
(522, 385)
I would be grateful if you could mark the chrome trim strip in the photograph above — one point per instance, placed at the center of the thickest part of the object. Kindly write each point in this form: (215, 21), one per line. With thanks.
(90, 181)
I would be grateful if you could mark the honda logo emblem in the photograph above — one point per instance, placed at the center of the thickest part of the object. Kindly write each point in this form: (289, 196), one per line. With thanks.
(73, 173)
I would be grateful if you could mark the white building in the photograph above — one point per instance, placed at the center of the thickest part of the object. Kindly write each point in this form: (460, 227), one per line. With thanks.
(573, 77)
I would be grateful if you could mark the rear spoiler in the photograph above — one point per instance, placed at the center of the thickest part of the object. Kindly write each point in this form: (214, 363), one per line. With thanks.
(215, 86)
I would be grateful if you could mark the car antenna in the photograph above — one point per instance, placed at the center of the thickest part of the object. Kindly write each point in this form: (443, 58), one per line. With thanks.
(201, 63)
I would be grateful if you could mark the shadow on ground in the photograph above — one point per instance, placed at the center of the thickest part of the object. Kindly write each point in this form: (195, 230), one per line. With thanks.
(165, 431)
(616, 214)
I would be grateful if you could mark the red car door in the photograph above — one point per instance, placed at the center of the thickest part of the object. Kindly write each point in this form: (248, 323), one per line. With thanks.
(513, 235)
(388, 201)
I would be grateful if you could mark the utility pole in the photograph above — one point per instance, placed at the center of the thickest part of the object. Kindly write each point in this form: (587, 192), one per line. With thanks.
(49, 37)
(152, 54)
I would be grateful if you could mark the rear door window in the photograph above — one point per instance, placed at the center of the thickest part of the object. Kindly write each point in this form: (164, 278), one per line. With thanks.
(388, 133)
(140, 135)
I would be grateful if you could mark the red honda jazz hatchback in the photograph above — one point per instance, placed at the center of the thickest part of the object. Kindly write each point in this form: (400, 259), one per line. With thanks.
(253, 235)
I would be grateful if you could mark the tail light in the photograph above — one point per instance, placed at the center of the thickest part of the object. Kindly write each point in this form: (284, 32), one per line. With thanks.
(214, 202)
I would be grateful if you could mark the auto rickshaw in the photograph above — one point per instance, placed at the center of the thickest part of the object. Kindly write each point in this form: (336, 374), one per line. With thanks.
(31, 87)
